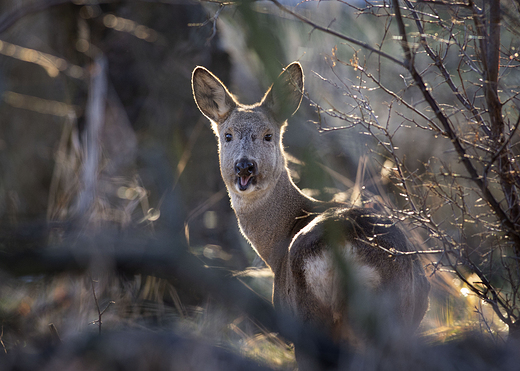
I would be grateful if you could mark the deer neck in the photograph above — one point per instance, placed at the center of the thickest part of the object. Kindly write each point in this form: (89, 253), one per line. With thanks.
(268, 220)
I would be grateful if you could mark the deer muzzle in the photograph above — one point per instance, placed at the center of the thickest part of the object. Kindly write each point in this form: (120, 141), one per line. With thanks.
(246, 171)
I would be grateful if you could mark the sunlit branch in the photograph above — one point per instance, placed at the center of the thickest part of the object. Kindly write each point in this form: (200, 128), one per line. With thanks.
(338, 35)
(447, 77)
(475, 177)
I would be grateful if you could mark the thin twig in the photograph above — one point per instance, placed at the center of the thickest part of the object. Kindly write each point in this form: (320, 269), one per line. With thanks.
(2, 340)
(501, 149)
(338, 35)
(100, 312)
(446, 75)
(475, 177)
(54, 333)
(97, 303)
(214, 20)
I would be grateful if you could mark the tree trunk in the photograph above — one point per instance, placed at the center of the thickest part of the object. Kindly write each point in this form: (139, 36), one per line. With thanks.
(514, 334)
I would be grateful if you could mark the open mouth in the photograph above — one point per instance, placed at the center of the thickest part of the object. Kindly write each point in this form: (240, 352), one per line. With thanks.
(245, 181)
(245, 171)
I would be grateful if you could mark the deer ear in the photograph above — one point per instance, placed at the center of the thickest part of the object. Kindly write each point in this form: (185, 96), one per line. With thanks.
(284, 97)
(211, 96)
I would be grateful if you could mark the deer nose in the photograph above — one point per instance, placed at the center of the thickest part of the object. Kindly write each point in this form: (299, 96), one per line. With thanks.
(245, 167)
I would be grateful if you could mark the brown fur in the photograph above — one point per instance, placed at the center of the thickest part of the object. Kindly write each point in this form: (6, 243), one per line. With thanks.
(329, 261)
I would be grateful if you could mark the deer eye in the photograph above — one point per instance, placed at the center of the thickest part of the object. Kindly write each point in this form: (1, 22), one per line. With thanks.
(268, 137)
(228, 137)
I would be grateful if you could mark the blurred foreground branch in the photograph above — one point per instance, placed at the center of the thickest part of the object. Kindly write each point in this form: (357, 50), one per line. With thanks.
(156, 257)
(134, 255)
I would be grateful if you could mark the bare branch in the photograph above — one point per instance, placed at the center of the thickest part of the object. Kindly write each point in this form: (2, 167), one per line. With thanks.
(337, 34)
(463, 156)
(440, 65)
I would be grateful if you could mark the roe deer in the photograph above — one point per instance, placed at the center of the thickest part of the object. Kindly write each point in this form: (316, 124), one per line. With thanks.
(312, 247)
